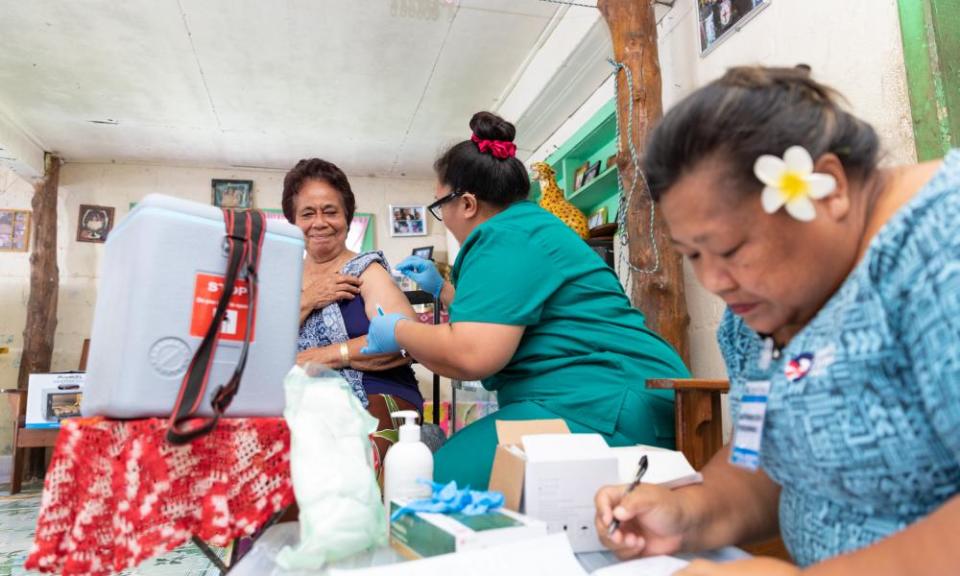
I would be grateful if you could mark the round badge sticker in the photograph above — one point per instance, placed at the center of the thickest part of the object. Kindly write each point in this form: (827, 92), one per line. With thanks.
(798, 367)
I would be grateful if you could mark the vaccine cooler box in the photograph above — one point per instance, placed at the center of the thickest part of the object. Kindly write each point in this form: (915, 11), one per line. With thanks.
(161, 277)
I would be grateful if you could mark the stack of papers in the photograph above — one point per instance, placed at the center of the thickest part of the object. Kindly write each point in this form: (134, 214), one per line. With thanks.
(546, 556)
(667, 468)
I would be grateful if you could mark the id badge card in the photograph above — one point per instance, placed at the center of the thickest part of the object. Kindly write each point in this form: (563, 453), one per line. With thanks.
(749, 428)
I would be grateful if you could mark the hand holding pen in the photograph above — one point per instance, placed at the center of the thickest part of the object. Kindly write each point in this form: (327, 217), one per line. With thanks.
(641, 470)
(643, 519)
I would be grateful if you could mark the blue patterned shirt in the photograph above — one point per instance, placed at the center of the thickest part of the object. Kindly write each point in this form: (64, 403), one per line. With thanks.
(863, 418)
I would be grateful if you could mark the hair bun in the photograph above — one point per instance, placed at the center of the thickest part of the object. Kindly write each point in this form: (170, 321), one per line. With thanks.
(489, 126)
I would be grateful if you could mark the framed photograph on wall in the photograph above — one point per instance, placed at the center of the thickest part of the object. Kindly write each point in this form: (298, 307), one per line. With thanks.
(274, 214)
(14, 230)
(425, 252)
(360, 233)
(408, 220)
(94, 223)
(719, 19)
(235, 194)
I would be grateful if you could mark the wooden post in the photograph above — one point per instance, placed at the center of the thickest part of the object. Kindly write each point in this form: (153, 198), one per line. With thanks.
(660, 295)
(44, 276)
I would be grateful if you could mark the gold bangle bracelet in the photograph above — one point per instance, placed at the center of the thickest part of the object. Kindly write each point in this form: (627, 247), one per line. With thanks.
(345, 354)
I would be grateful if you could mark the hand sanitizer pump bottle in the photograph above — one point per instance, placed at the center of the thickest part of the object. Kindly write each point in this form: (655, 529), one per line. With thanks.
(408, 463)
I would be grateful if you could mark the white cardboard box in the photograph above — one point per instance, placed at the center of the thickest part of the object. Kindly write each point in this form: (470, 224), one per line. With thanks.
(548, 473)
(563, 474)
(51, 397)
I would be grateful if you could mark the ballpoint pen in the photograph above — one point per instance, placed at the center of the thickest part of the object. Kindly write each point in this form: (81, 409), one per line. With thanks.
(641, 470)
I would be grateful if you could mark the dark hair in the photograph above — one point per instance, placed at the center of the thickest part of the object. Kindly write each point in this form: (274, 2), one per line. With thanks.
(752, 111)
(316, 169)
(498, 181)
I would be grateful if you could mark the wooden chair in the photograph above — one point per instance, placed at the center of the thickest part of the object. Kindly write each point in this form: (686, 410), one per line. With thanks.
(24, 438)
(699, 433)
(699, 424)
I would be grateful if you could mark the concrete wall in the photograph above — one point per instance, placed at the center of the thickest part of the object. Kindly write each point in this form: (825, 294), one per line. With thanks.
(118, 185)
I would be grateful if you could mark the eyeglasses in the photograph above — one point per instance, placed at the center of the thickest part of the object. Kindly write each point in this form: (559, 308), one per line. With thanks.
(435, 207)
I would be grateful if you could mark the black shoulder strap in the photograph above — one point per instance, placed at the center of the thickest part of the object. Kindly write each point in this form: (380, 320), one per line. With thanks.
(245, 232)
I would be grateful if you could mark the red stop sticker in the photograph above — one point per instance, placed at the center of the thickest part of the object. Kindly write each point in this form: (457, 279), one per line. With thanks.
(206, 295)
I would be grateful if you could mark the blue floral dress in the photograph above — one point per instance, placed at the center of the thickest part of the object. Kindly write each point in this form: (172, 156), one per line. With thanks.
(863, 418)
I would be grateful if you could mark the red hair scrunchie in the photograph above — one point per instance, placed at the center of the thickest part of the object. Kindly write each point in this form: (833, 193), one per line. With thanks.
(498, 148)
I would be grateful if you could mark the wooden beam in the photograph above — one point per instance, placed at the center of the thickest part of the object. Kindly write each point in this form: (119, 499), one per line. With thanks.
(44, 276)
(660, 294)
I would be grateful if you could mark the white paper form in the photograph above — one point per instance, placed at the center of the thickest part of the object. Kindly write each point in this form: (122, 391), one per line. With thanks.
(653, 566)
(546, 556)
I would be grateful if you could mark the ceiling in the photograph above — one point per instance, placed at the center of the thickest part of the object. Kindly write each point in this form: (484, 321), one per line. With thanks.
(261, 83)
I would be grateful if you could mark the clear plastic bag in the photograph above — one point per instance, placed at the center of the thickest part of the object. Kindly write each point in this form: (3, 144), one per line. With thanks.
(331, 464)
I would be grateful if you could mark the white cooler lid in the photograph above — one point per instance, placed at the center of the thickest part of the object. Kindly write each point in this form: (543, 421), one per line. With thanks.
(203, 211)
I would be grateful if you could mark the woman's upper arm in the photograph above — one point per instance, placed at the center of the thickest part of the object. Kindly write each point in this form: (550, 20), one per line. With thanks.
(486, 348)
(378, 288)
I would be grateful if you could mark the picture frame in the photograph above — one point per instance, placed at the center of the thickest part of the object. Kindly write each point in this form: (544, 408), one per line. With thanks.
(425, 252)
(408, 220)
(611, 161)
(717, 20)
(235, 194)
(592, 172)
(598, 218)
(94, 223)
(15, 230)
(578, 175)
(274, 214)
(360, 233)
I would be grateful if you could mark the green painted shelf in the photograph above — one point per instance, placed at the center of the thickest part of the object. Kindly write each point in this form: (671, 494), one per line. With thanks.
(595, 141)
(596, 191)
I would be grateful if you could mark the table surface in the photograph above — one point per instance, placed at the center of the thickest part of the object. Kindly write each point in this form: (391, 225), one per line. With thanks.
(260, 561)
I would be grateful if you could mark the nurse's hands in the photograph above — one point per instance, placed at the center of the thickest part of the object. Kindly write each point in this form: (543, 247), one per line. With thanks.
(423, 272)
(381, 338)
(752, 567)
(652, 520)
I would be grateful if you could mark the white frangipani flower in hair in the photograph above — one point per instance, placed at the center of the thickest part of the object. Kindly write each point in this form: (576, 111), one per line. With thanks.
(790, 181)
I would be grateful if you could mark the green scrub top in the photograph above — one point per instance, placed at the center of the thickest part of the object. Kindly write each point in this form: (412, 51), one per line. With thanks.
(584, 346)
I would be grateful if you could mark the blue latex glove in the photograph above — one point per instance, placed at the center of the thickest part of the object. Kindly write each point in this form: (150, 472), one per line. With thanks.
(382, 338)
(423, 272)
(446, 499)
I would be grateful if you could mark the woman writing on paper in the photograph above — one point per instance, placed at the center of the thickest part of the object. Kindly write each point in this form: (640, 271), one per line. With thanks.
(535, 315)
(841, 336)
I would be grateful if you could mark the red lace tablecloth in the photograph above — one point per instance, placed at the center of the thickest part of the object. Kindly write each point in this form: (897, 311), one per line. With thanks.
(117, 493)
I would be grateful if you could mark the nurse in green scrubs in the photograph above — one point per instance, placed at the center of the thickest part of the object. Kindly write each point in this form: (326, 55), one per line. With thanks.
(534, 313)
